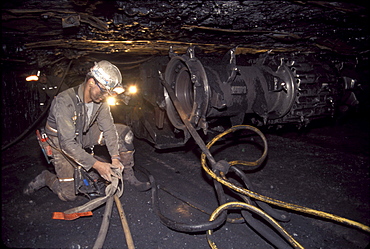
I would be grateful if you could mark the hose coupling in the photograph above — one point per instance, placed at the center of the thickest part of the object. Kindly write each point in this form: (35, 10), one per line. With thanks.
(223, 166)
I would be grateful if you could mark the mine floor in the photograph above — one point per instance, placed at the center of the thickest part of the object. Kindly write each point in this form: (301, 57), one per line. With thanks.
(325, 167)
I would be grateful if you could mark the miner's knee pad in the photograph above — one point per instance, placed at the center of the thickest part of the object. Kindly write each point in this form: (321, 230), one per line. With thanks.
(126, 136)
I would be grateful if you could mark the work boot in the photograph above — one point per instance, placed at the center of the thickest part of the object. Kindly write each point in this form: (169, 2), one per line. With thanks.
(37, 183)
(127, 160)
(129, 176)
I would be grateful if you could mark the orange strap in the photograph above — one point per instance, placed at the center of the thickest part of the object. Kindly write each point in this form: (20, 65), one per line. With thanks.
(63, 216)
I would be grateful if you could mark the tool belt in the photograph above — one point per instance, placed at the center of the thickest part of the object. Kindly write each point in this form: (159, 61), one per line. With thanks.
(115, 188)
(83, 182)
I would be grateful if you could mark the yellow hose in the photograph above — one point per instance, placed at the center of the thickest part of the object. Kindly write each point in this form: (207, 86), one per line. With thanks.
(265, 198)
(126, 229)
(255, 210)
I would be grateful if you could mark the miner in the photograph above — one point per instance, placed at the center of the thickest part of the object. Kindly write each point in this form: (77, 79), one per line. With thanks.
(79, 118)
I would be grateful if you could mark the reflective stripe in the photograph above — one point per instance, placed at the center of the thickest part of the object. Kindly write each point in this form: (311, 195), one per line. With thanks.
(100, 138)
(50, 128)
(66, 179)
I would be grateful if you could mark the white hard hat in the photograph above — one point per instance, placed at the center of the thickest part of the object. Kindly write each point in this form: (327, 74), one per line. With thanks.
(107, 74)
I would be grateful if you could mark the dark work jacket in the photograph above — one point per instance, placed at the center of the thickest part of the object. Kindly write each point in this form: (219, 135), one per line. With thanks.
(63, 120)
(49, 89)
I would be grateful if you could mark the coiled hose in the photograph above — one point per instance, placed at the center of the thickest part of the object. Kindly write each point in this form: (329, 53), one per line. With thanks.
(266, 199)
(179, 226)
(218, 171)
(248, 193)
(266, 217)
(220, 217)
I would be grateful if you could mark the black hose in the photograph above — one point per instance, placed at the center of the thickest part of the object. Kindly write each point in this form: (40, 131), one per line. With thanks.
(263, 230)
(178, 226)
(276, 214)
(105, 224)
(257, 211)
(32, 126)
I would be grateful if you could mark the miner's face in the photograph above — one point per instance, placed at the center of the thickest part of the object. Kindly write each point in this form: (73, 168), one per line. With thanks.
(97, 91)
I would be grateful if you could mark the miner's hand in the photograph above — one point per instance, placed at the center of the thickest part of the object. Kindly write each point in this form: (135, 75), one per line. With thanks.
(104, 169)
(116, 164)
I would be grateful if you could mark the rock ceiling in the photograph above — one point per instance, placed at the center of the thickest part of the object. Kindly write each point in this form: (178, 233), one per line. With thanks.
(54, 29)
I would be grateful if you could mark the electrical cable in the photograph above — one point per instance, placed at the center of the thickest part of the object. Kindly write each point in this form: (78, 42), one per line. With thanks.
(108, 208)
(194, 205)
(276, 214)
(263, 230)
(179, 226)
(268, 199)
(216, 166)
(255, 210)
(253, 222)
(256, 224)
(32, 126)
